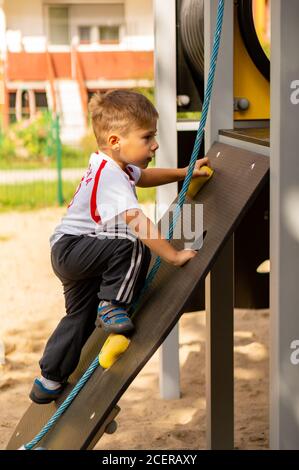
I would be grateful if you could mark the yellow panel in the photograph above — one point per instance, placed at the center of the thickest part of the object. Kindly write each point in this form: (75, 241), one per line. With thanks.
(248, 81)
(259, 15)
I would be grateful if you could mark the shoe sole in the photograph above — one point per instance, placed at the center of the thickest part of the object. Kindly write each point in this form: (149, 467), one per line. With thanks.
(41, 401)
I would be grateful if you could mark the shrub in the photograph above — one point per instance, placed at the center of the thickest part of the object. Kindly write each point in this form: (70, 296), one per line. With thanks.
(27, 141)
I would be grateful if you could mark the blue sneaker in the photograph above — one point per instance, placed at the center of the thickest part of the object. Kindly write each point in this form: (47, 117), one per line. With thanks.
(42, 395)
(113, 318)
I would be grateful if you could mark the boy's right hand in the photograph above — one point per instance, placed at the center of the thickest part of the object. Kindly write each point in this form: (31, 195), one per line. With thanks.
(183, 256)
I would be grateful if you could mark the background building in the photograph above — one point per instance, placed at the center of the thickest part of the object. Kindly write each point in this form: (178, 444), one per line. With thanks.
(56, 53)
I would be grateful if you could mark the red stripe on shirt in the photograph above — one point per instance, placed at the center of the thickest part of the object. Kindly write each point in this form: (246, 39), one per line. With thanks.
(93, 200)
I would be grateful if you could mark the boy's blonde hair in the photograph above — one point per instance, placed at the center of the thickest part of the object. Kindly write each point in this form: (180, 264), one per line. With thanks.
(120, 110)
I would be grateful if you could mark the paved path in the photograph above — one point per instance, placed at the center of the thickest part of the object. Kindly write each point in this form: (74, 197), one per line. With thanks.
(29, 176)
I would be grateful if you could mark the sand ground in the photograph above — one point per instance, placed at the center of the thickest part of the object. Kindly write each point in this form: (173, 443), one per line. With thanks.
(31, 306)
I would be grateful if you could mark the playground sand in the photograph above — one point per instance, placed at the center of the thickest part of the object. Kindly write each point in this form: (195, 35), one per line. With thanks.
(31, 306)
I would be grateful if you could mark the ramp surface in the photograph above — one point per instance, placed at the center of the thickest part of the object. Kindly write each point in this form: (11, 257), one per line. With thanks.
(238, 177)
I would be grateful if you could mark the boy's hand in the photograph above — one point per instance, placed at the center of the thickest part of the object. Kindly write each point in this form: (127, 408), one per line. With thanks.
(183, 256)
(197, 168)
(150, 234)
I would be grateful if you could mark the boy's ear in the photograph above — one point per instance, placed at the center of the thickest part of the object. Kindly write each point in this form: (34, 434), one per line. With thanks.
(113, 140)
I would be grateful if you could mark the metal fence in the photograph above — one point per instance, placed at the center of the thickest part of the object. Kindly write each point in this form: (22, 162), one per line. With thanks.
(36, 169)
(43, 156)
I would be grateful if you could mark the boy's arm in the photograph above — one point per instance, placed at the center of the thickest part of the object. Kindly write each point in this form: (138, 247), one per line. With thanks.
(159, 176)
(151, 236)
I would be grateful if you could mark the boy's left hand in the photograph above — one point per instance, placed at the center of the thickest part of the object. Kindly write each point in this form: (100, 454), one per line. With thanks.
(198, 171)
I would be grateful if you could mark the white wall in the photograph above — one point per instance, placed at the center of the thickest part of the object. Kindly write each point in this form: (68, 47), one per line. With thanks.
(96, 15)
(24, 19)
(24, 15)
(140, 22)
(26, 22)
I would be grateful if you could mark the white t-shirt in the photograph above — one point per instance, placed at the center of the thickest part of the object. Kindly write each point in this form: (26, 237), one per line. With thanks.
(105, 191)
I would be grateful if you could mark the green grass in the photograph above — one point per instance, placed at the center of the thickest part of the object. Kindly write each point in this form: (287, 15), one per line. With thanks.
(146, 195)
(29, 196)
(194, 116)
(35, 195)
(72, 158)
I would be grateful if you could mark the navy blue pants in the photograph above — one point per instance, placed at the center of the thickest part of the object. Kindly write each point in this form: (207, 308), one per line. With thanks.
(90, 269)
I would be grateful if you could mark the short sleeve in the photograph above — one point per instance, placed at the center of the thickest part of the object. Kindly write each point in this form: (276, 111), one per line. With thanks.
(115, 195)
(134, 171)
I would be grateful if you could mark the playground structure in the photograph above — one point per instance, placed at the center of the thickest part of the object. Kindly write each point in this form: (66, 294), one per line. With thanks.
(86, 418)
(238, 76)
(241, 162)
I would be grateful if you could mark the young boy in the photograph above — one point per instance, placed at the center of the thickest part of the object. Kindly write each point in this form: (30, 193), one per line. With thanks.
(101, 251)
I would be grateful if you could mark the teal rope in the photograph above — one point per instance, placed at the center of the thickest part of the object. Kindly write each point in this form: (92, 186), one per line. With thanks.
(181, 200)
(85, 377)
(197, 144)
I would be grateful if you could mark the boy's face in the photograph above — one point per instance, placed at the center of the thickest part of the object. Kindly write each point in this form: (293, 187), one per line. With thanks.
(138, 146)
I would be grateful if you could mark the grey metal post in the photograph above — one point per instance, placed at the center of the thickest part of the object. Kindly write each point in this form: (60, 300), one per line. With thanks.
(220, 282)
(284, 227)
(165, 98)
(170, 366)
(219, 350)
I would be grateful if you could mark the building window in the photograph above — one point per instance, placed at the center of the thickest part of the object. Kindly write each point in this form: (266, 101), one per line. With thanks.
(59, 25)
(84, 34)
(41, 100)
(41, 104)
(109, 34)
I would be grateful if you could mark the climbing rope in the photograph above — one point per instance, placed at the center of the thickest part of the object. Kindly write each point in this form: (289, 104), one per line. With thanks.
(181, 199)
(197, 144)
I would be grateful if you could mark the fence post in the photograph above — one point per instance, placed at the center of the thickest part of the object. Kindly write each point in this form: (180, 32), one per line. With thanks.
(58, 160)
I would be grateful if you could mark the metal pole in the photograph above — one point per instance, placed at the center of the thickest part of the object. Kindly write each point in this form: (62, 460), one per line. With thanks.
(165, 98)
(284, 228)
(58, 160)
(219, 350)
(219, 283)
